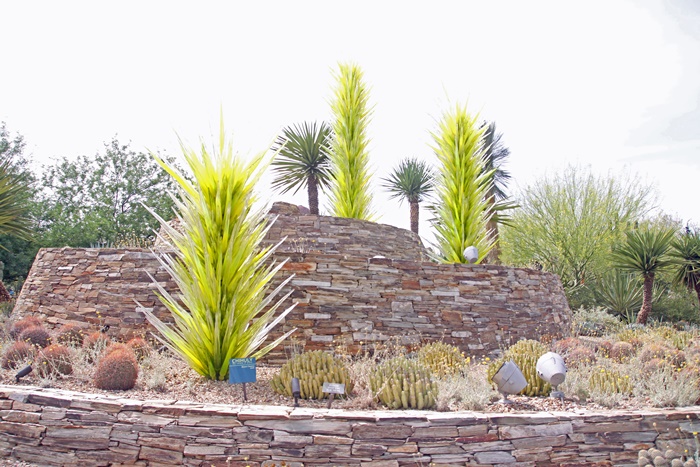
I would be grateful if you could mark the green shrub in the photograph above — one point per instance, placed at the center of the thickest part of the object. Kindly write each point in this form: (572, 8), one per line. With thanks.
(117, 370)
(594, 322)
(313, 369)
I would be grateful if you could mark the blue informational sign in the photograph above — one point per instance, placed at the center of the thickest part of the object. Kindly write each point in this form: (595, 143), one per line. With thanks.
(241, 370)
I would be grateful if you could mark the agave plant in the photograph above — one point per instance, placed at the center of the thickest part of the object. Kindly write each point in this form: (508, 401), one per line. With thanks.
(218, 265)
(686, 255)
(461, 209)
(302, 160)
(412, 180)
(645, 252)
(620, 293)
(350, 195)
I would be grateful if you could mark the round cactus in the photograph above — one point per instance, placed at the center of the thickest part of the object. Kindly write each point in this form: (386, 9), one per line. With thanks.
(20, 325)
(17, 354)
(525, 354)
(70, 334)
(404, 383)
(140, 346)
(36, 336)
(96, 341)
(117, 370)
(442, 359)
(54, 360)
(622, 351)
(313, 369)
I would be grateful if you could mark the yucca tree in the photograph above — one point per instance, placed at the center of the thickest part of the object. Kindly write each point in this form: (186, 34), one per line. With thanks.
(14, 214)
(686, 255)
(645, 252)
(302, 160)
(218, 263)
(412, 180)
(461, 209)
(350, 185)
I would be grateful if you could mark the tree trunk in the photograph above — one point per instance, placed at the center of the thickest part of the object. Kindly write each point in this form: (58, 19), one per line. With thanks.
(492, 227)
(312, 189)
(644, 312)
(414, 217)
(4, 294)
(697, 290)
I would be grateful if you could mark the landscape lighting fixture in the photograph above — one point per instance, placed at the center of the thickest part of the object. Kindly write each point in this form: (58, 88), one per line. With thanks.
(509, 380)
(23, 372)
(471, 254)
(296, 391)
(551, 368)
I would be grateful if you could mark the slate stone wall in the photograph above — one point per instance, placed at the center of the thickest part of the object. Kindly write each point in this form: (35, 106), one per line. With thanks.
(341, 299)
(54, 427)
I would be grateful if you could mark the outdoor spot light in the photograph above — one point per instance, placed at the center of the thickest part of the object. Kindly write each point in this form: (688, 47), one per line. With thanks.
(23, 372)
(551, 368)
(471, 254)
(509, 380)
(296, 391)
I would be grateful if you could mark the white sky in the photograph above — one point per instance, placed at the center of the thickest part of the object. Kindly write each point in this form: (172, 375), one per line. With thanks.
(603, 83)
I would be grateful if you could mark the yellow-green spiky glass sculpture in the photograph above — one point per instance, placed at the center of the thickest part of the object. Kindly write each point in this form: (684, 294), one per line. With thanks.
(218, 263)
(461, 209)
(350, 195)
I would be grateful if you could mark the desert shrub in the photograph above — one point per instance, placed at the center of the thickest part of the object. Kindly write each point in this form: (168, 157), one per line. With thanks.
(580, 356)
(70, 334)
(467, 390)
(404, 383)
(118, 370)
(140, 346)
(667, 387)
(156, 367)
(16, 354)
(622, 351)
(525, 354)
(594, 322)
(20, 325)
(442, 359)
(312, 369)
(653, 365)
(36, 336)
(54, 359)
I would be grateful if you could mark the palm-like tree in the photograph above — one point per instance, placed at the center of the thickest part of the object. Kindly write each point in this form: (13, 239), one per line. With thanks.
(412, 180)
(494, 156)
(686, 254)
(645, 252)
(302, 160)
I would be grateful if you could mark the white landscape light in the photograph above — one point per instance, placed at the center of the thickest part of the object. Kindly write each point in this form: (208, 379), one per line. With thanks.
(551, 368)
(509, 380)
(471, 254)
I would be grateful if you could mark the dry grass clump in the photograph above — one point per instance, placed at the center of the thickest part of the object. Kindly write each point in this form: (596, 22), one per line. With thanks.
(467, 390)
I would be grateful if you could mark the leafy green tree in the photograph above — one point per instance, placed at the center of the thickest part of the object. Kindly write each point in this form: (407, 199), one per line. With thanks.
(567, 224)
(645, 252)
(302, 160)
(100, 200)
(219, 264)
(686, 254)
(461, 209)
(350, 192)
(412, 181)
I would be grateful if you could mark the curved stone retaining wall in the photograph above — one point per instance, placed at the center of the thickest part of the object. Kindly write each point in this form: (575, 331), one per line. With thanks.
(341, 299)
(53, 427)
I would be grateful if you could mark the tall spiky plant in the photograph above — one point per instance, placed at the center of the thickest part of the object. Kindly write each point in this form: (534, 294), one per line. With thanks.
(350, 195)
(412, 180)
(686, 255)
(645, 252)
(302, 160)
(461, 209)
(218, 264)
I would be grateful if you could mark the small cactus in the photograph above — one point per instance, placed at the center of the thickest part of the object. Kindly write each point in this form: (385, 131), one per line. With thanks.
(654, 457)
(70, 334)
(622, 351)
(609, 381)
(140, 346)
(20, 325)
(96, 341)
(117, 370)
(442, 359)
(36, 336)
(313, 369)
(53, 360)
(17, 354)
(403, 383)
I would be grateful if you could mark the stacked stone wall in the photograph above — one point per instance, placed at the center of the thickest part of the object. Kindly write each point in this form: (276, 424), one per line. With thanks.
(54, 427)
(340, 299)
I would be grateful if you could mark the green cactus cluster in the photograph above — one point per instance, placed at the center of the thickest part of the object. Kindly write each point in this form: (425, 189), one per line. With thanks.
(402, 383)
(609, 381)
(525, 354)
(442, 359)
(313, 369)
(656, 457)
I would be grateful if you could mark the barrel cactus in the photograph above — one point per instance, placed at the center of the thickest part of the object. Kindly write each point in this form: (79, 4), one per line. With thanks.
(401, 383)
(313, 369)
(525, 354)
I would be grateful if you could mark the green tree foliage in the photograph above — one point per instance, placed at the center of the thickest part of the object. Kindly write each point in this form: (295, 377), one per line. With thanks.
(350, 191)
(686, 254)
(645, 252)
(412, 181)
(219, 265)
(100, 200)
(302, 160)
(567, 223)
(461, 209)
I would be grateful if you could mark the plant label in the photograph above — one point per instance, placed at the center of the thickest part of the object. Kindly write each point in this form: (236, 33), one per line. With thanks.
(333, 388)
(242, 370)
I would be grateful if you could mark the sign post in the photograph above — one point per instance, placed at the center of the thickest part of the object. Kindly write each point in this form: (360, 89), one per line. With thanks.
(333, 389)
(242, 371)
